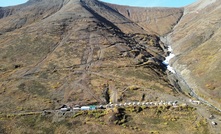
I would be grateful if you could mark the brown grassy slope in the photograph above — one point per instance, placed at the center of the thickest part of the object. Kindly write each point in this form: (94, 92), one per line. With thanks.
(18, 16)
(130, 120)
(68, 57)
(196, 40)
(122, 22)
(155, 20)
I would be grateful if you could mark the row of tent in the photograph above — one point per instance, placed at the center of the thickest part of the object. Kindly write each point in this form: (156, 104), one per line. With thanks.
(65, 108)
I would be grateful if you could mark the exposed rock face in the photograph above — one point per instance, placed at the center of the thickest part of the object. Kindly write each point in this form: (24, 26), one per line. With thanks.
(196, 42)
(158, 21)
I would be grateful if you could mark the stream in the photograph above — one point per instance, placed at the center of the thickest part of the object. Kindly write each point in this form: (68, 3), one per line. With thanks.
(179, 77)
(168, 58)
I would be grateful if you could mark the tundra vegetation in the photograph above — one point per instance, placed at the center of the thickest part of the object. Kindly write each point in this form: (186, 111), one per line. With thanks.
(86, 52)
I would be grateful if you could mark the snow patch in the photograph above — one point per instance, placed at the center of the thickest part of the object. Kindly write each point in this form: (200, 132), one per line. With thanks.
(171, 69)
(168, 58)
(170, 49)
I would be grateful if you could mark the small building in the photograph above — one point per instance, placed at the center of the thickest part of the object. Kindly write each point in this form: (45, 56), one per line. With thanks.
(214, 123)
(170, 103)
(65, 109)
(196, 102)
(76, 108)
(174, 104)
(160, 103)
(100, 107)
(111, 105)
(88, 107)
(64, 106)
(211, 116)
(107, 106)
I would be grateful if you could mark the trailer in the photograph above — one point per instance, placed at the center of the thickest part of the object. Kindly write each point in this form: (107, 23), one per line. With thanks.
(65, 109)
(88, 107)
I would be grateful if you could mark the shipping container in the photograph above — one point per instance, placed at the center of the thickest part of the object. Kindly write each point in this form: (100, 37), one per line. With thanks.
(88, 107)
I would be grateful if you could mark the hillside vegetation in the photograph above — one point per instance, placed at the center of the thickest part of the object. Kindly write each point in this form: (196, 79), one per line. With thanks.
(86, 52)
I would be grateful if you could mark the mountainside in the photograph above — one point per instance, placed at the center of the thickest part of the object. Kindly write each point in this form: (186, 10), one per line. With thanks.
(71, 48)
(155, 20)
(56, 52)
(196, 42)
(86, 52)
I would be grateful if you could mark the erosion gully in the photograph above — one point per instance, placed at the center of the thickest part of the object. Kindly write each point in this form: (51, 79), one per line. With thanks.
(179, 82)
